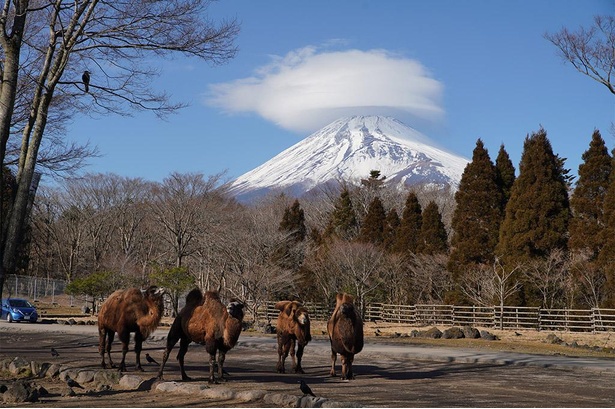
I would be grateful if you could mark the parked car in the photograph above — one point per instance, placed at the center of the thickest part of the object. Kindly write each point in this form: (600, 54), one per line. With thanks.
(18, 309)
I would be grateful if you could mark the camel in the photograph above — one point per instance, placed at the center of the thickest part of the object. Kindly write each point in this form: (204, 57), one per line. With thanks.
(126, 311)
(345, 329)
(207, 321)
(293, 326)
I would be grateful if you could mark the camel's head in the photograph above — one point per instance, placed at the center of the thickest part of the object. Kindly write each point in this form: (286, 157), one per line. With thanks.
(154, 292)
(235, 309)
(295, 310)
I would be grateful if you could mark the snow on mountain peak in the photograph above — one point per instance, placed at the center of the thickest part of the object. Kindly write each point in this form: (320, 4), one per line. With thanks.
(347, 150)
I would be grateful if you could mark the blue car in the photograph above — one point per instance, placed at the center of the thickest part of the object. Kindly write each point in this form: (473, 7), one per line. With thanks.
(18, 309)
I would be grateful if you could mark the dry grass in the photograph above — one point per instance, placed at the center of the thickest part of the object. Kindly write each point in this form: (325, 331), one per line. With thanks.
(524, 340)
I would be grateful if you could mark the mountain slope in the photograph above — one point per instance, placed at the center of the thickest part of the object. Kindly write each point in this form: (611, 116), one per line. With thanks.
(347, 150)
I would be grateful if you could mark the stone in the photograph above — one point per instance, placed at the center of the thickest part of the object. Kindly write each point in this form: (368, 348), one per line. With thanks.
(452, 333)
(433, 332)
(470, 332)
(131, 382)
(20, 367)
(486, 335)
(20, 392)
(554, 339)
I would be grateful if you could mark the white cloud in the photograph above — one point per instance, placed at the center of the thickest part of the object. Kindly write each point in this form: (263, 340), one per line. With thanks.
(307, 89)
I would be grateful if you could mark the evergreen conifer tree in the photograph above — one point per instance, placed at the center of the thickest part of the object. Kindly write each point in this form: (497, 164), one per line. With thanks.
(538, 211)
(343, 220)
(587, 201)
(433, 239)
(505, 175)
(391, 227)
(477, 217)
(410, 228)
(606, 257)
(372, 228)
(293, 222)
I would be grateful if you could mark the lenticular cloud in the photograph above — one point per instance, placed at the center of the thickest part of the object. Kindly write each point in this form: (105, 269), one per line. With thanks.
(306, 89)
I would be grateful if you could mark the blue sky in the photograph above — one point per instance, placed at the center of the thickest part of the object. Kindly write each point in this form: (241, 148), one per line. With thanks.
(454, 70)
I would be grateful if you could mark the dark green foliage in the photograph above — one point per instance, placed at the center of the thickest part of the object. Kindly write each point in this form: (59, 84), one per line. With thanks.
(374, 182)
(505, 172)
(96, 285)
(538, 212)
(478, 214)
(372, 228)
(587, 201)
(432, 239)
(391, 227)
(606, 257)
(343, 221)
(176, 280)
(293, 222)
(410, 228)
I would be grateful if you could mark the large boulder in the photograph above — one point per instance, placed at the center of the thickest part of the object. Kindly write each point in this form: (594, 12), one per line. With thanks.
(21, 392)
(453, 333)
(433, 332)
(470, 332)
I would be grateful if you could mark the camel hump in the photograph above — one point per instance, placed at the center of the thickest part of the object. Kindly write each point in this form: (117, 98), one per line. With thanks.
(281, 305)
(344, 298)
(212, 295)
(194, 297)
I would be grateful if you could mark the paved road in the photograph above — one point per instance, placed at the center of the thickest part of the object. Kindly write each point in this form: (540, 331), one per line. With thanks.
(387, 375)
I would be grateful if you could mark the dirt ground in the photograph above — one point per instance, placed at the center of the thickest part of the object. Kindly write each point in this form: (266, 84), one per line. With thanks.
(388, 371)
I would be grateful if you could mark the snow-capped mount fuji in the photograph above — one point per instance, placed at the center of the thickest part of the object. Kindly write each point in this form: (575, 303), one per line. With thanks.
(347, 150)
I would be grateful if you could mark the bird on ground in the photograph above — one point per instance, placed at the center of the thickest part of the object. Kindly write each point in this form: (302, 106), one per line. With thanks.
(54, 353)
(377, 333)
(517, 334)
(72, 383)
(378, 330)
(305, 388)
(86, 80)
(151, 360)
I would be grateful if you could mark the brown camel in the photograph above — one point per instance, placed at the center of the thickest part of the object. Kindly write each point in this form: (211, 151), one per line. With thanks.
(293, 326)
(207, 321)
(126, 311)
(345, 329)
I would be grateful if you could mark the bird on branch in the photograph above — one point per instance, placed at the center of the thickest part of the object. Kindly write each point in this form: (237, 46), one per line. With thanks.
(86, 80)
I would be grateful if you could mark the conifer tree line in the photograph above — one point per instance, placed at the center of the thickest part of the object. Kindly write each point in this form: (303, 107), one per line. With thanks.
(505, 237)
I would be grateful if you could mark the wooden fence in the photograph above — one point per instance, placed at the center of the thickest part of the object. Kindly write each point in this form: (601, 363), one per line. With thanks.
(506, 317)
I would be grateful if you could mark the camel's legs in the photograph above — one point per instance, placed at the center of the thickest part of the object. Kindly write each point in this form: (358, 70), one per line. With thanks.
(221, 359)
(102, 338)
(333, 359)
(298, 368)
(212, 360)
(175, 333)
(183, 348)
(138, 348)
(110, 337)
(124, 337)
(347, 366)
(283, 348)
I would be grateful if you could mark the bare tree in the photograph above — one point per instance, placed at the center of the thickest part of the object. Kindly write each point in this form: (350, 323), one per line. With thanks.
(548, 275)
(430, 278)
(591, 51)
(110, 38)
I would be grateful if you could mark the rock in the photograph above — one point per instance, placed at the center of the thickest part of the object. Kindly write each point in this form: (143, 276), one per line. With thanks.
(106, 377)
(68, 391)
(414, 333)
(85, 376)
(470, 332)
(21, 367)
(554, 339)
(131, 382)
(452, 333)
(433, 332)
(486, 335)
(20, 392)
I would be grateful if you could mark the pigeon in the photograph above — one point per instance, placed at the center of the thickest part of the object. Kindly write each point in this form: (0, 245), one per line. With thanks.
(86, 80)
(151, 360)
(73, 383)
(54, 353)
(305, 388)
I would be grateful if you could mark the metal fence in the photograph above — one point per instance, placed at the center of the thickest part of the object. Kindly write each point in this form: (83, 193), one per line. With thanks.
(36, 289)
